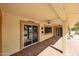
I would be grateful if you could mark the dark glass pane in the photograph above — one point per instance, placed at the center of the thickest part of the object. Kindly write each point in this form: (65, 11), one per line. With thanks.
(48, 29)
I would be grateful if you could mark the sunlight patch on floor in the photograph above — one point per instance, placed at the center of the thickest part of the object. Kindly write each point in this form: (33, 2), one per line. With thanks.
(58, 44)
(73, 46)
(52, 52)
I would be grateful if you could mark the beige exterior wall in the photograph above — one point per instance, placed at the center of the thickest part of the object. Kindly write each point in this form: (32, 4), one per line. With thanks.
(11, 33)
(44, 36)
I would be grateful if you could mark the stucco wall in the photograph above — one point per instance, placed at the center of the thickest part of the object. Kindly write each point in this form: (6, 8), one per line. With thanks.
(44, 36)
(11, 33)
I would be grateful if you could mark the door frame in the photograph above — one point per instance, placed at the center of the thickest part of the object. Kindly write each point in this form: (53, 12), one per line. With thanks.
(55, 27)
(22, 22)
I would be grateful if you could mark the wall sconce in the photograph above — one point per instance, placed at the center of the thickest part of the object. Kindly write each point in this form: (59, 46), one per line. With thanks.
(41, 31)
(49, 21)
(41, 28)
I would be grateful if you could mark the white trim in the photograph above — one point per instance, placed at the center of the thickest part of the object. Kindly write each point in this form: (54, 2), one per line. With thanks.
(30, 45)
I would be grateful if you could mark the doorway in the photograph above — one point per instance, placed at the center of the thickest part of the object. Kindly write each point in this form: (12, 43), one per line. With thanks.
(58, 31)
(29, 33)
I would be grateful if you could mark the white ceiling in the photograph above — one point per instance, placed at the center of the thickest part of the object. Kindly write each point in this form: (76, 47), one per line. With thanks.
(44, 12)
(59, 8)
(34, 11)
(67, 11)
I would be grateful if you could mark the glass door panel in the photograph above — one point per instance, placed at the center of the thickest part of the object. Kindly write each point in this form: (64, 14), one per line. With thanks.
(35, 34)
(27, 34)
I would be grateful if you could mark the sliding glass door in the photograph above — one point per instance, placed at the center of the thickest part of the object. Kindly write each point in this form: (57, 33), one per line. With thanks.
(30, 34)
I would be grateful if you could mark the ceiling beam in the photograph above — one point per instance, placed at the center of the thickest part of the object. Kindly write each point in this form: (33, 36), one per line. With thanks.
(55, 12)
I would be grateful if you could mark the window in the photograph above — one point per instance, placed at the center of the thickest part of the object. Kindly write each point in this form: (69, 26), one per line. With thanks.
(48, 29)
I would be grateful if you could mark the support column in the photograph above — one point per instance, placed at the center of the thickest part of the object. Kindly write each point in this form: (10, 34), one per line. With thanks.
(0, 33)
(65, 38)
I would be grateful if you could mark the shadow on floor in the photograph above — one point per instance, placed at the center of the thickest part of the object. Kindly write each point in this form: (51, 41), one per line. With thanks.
(35, 49)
